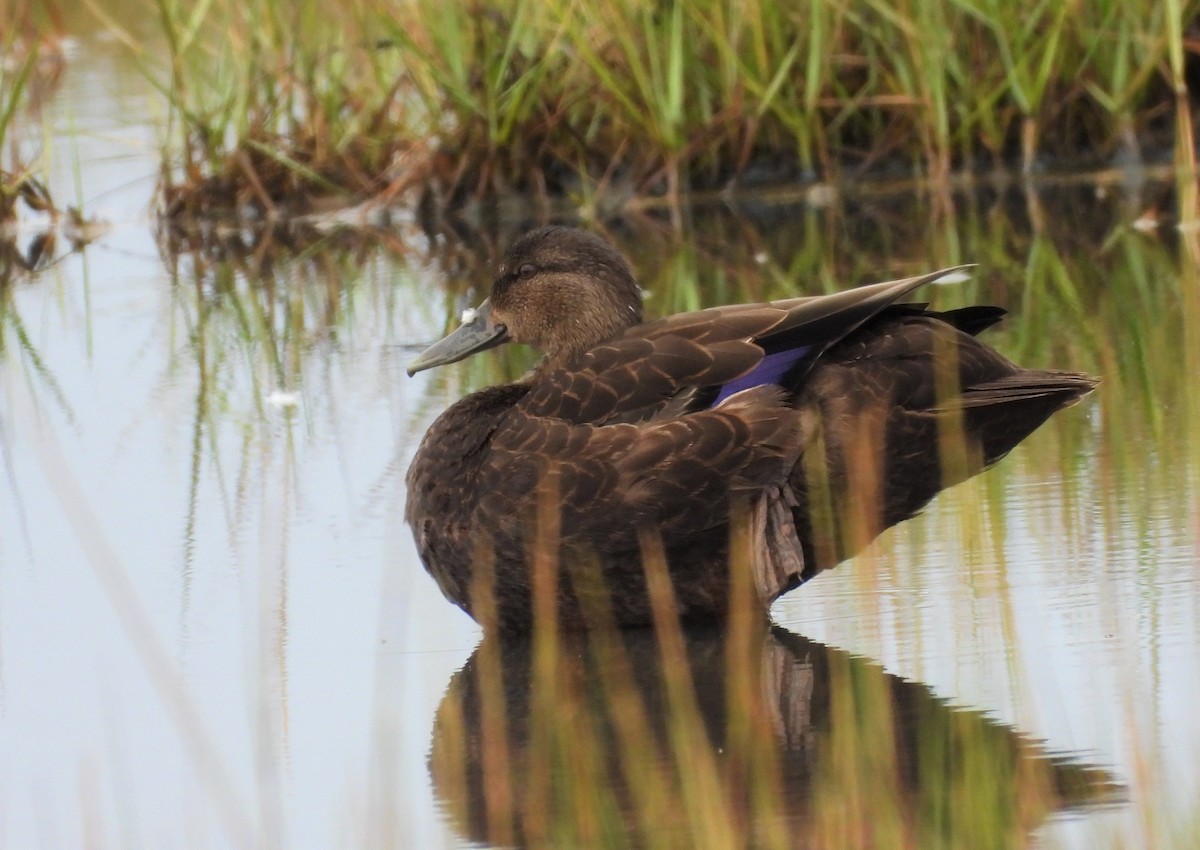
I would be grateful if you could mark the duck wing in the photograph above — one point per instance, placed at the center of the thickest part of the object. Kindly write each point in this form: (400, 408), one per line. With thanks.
(691, 361)
(675, 475)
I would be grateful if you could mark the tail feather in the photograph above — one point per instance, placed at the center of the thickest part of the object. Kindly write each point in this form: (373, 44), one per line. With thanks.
(975, 319)
(1002, 413)
(1064, 388)
(971, 320)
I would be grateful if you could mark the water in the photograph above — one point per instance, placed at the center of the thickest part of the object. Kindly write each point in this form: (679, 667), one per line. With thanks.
(214, 630)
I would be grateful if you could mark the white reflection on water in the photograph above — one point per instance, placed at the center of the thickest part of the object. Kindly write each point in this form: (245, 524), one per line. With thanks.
(311, 645)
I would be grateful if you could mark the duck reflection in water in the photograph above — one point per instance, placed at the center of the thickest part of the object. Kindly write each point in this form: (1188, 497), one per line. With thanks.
(747, 737)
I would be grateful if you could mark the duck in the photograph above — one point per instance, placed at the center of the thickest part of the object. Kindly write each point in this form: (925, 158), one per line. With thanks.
(636, 451)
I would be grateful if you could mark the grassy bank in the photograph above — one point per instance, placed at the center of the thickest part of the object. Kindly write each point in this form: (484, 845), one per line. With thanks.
(278, 104)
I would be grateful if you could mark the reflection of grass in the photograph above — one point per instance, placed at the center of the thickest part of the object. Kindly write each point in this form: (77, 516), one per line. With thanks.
(744, 738)
(279, 102)
(15, 340)
(255, 333)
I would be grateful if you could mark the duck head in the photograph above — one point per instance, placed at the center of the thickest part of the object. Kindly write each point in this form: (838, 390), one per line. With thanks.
(559, 289)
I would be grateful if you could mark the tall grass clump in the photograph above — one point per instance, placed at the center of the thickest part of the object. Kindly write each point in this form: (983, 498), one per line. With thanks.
(273, 106)
(278, 104)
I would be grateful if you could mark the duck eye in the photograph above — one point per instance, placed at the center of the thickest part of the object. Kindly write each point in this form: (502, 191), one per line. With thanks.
(526, 271)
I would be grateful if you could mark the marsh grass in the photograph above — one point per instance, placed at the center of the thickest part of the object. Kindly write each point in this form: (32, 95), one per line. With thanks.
(282, 107)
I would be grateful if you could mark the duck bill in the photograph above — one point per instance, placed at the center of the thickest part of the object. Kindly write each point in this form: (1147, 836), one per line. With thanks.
(477, 333)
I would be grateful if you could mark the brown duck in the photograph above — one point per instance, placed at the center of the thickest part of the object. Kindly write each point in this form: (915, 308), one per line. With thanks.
(822, 420)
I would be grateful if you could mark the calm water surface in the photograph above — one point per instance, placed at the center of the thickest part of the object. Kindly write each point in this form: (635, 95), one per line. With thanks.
(214, 630)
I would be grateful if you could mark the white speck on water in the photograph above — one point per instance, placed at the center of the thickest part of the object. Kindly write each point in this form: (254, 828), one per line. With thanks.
(283, 398)
(761, 258)
(468, 315)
